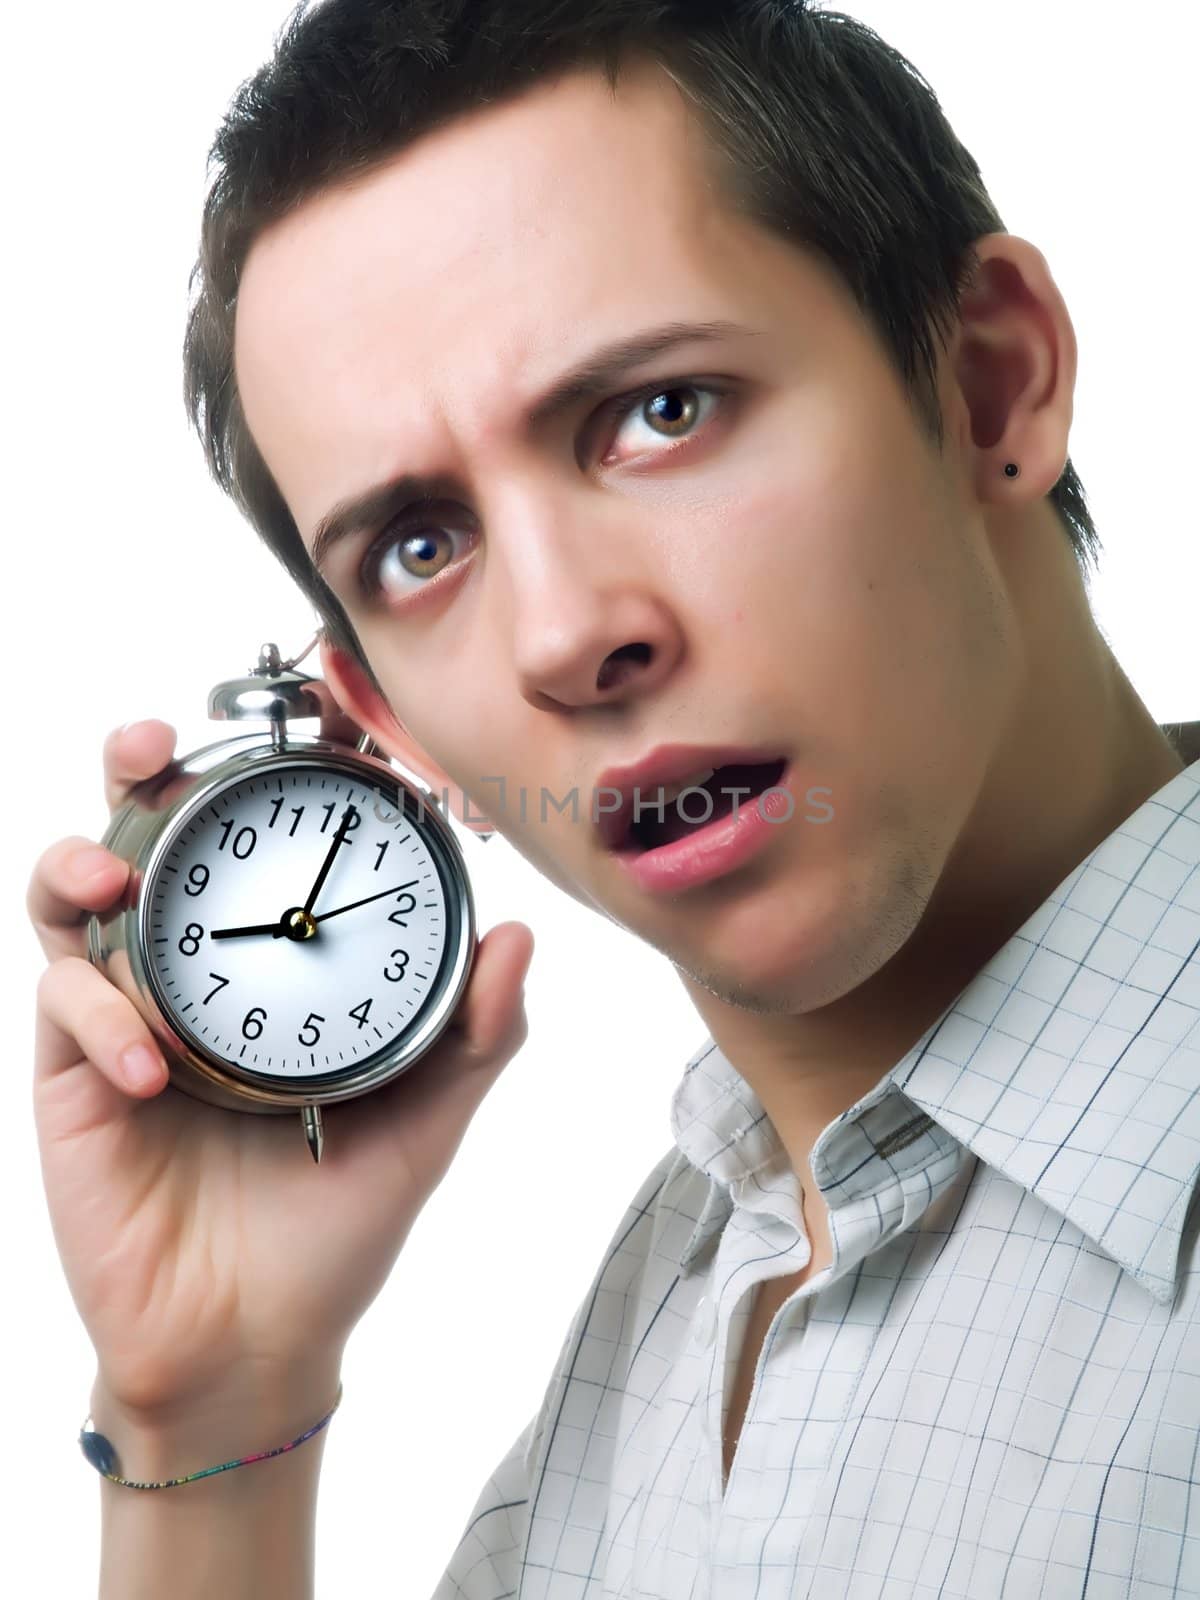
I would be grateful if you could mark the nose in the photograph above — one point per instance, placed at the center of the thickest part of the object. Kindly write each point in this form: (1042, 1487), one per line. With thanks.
(590, 623)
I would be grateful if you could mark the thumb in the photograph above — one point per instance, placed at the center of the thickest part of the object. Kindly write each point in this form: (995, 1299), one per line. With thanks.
(493, 1004)
(440, 1094)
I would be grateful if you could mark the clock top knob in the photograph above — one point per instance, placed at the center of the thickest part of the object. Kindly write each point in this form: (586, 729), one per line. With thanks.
(272, 692)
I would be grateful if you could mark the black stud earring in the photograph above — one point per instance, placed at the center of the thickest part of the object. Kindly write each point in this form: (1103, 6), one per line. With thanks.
(1012, 470)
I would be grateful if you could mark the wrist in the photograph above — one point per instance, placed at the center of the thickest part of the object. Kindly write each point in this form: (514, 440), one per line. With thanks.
(249, 1416)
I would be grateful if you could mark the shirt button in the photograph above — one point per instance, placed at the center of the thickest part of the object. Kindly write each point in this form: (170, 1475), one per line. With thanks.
(705, 1329)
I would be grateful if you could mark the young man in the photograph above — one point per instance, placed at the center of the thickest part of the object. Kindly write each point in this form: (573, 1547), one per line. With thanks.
(702, 418)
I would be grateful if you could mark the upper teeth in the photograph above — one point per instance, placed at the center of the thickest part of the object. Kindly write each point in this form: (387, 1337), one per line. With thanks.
(671, 791)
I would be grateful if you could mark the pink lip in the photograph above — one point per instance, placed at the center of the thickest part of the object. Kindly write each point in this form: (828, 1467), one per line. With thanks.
(666, 764)
(712, 851)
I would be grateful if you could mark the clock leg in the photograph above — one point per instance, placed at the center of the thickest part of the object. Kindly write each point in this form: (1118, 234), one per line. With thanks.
(314, 1130)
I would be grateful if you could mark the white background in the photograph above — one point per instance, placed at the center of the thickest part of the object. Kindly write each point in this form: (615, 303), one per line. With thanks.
(131, 586)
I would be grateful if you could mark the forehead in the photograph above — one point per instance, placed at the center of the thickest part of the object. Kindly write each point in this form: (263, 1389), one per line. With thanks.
(393, 322)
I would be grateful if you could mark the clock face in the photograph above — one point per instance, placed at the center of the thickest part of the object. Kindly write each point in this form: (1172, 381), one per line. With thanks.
(341, 984)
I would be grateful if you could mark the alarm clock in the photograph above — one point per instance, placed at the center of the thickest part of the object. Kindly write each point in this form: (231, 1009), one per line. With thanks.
(298, 924)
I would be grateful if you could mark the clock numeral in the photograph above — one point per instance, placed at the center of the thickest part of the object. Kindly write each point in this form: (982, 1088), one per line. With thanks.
(355, 819)
(360, 1013)
(382, 848)
(243, 834)
(394, 977)
(221, 982)
(192, 935)
(249, 1018)
(312, 1021)
(201, 884)
(403, 910)
(297, 812)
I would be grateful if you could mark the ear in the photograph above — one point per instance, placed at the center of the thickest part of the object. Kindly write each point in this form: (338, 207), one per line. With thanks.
(362, 702)
(1015, 359)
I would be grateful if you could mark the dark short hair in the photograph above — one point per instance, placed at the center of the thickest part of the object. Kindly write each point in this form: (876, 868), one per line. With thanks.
(819, 131)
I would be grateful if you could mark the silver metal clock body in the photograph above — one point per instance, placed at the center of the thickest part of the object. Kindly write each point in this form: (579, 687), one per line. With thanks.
(394, 920)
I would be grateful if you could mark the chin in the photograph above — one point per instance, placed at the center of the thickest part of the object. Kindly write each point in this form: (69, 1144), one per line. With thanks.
(774, 985)
(797, 948)
(748, 994)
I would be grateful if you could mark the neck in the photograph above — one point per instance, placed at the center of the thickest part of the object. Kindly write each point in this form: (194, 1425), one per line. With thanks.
(1080, 753)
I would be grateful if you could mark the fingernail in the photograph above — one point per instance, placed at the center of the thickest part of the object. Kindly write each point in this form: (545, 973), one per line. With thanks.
(140, 1067)
(90, 863)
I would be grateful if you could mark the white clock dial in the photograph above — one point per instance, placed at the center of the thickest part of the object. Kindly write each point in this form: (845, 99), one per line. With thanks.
(288, 1007)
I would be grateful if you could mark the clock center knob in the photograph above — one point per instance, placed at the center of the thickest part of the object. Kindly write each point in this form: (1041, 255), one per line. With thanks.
(299, 923)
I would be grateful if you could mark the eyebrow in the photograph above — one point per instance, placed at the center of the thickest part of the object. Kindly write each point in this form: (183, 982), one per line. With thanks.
(603, 368)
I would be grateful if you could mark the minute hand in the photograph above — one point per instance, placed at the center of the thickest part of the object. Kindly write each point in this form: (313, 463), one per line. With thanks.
(383, 893)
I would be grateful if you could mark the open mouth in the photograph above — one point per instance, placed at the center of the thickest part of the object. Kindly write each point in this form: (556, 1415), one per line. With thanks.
(687, 812)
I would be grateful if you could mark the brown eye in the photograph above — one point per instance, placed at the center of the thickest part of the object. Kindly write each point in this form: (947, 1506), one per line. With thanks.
(402, 560)
(425, 553)
(670, 411)
(674, 409)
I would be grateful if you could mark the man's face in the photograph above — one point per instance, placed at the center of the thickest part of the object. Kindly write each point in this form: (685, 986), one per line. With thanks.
(769, 554)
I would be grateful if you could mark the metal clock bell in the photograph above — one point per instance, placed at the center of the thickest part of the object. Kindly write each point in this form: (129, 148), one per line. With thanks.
(298, 925)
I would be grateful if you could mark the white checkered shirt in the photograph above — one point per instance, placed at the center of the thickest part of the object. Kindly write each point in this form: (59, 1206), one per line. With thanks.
(995, 1388)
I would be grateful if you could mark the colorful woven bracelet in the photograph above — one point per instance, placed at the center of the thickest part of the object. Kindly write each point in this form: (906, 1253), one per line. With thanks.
(103, 1457)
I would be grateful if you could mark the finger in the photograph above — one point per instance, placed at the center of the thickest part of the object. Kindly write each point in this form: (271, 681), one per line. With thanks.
(493, 1000)
(81, 1019)
(136, 751)
(73, 877)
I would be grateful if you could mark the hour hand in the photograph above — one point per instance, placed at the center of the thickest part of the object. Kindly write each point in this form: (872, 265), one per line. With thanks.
(239, 933)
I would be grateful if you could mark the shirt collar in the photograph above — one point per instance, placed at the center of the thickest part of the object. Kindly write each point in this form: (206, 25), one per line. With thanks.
(1070, 1062)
